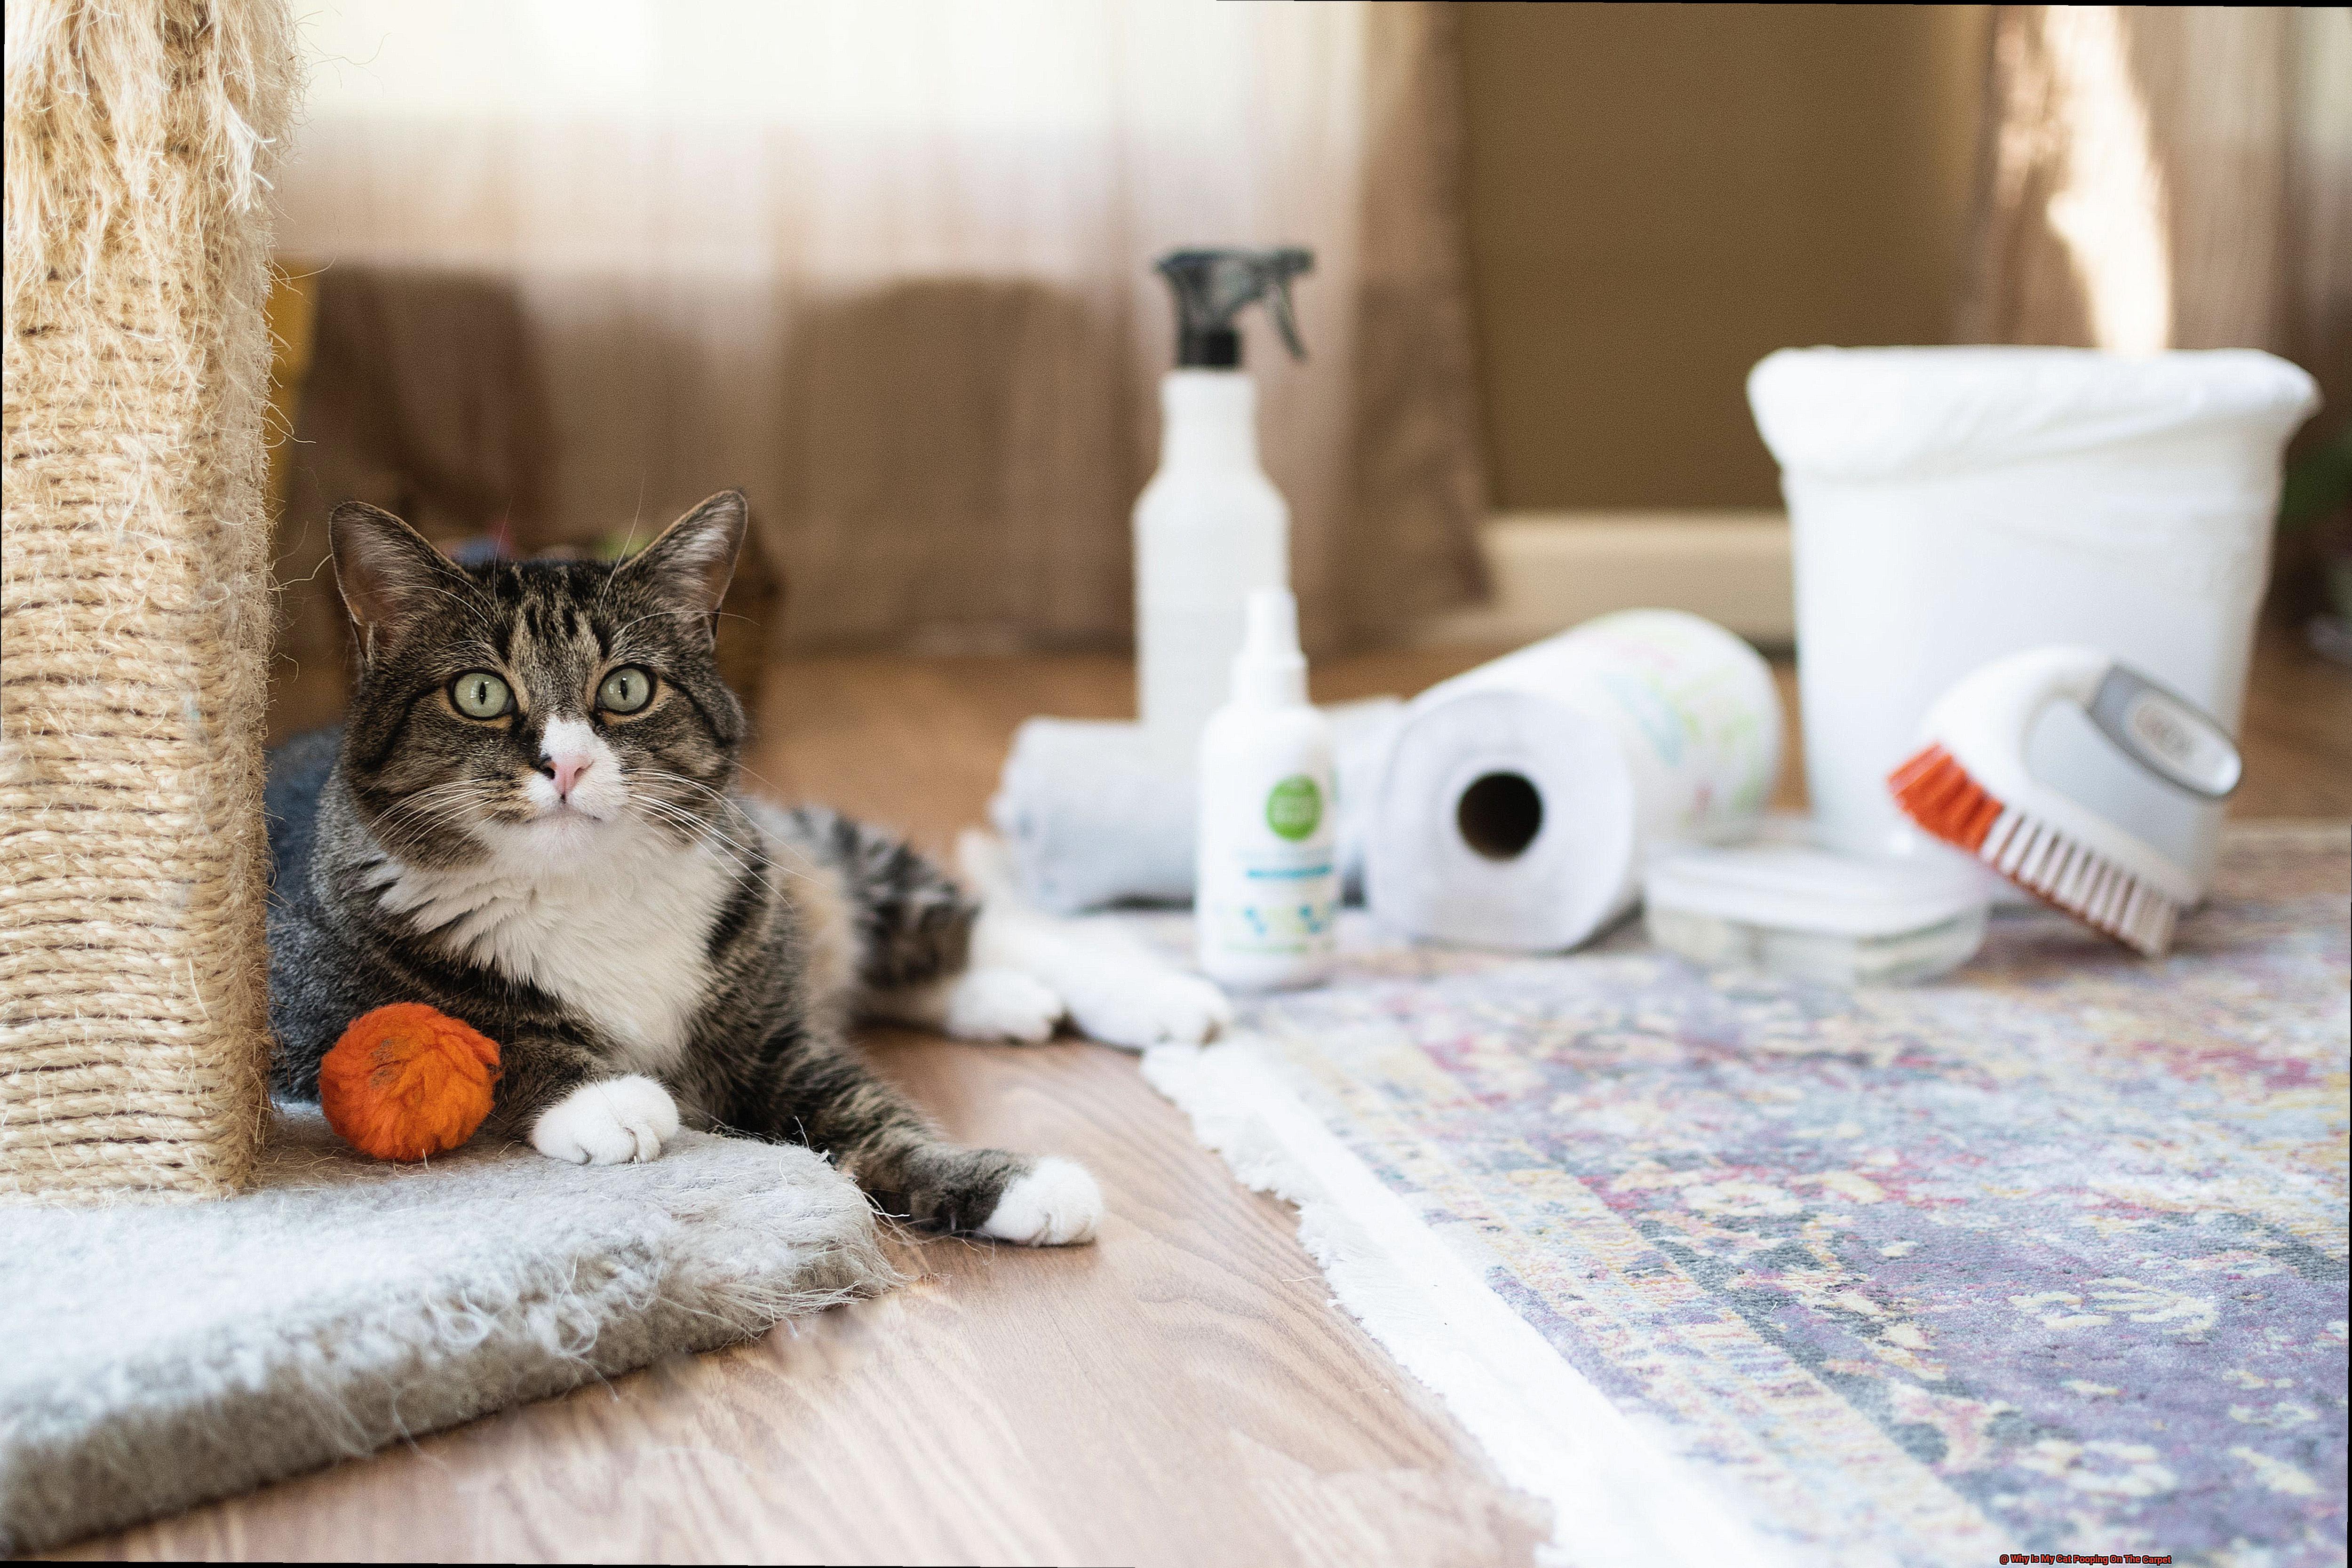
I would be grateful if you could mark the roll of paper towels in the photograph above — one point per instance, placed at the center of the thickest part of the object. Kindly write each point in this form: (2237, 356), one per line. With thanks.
(1520, 796)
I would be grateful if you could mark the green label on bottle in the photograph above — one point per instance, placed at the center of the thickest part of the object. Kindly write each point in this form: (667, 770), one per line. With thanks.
(1294, 808)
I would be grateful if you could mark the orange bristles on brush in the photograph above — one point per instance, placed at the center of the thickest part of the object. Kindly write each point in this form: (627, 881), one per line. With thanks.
(1936, 792)
(1968, 786)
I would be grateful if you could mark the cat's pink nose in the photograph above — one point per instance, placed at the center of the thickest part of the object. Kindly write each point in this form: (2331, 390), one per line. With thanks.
(569, 766)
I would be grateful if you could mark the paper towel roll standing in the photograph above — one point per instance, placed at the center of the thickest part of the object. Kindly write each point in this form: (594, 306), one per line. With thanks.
(1520, 795)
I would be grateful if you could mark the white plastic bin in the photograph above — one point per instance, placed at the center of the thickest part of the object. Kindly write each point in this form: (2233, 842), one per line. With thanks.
(1953, 505)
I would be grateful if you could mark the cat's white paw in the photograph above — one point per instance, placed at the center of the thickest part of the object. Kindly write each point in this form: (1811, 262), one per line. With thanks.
(1141, 1007)
(1001, 1005)
(609, 1122)
(1056, 1203)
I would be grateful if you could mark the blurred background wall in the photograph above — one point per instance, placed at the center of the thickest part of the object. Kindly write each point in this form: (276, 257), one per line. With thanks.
(1660, 196)
(573, 264)
(887, 266)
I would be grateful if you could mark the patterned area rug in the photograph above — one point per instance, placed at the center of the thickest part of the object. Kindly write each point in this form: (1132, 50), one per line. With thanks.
(2047, 1256)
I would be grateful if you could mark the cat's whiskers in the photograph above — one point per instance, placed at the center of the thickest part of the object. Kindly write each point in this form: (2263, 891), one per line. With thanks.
(726, 845)
(797, 852)
(413, 816)
(744, 854)
(665, 615)
(782, 844)
(662, 777)
(416, 799)
(636, 521)
(454, 792)
(470, 603)
(727, 801)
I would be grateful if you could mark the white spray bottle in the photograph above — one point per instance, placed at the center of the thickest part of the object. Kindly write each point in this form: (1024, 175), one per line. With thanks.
(1210, 527)
(1267, 885)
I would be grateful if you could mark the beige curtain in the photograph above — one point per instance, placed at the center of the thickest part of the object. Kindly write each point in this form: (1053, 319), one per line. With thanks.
(2169, 177)
(887, 266)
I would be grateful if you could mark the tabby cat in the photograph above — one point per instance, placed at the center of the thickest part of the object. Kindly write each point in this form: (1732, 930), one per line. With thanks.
(530, 820)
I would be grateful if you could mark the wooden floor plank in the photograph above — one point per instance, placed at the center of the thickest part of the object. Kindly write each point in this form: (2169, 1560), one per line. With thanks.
(1181, 1393)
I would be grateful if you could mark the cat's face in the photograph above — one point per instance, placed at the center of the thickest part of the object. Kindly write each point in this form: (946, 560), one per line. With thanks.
(537, 710)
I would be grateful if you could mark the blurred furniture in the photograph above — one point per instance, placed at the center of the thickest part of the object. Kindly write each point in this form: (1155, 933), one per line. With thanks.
(903, 297)
(419, 391)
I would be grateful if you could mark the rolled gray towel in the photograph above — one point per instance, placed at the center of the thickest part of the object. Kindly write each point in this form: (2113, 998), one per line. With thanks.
(1095, 814)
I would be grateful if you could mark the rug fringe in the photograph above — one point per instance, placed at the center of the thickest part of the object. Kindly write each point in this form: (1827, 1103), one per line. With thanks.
(1616, 1496)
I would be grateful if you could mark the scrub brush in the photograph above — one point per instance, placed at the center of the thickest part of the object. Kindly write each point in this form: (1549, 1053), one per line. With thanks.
(1968, 785)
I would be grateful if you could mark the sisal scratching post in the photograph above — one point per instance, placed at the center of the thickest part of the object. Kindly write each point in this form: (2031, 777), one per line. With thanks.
(134, 1009)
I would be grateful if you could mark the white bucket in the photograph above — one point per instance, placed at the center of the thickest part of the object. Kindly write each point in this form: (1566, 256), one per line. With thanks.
(1954, 505)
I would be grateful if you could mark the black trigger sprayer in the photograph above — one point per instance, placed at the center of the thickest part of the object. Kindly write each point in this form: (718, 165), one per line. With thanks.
(1213, 285)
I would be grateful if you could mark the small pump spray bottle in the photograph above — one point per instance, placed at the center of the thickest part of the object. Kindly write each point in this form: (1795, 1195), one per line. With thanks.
(1210, 527)
(1267, 884)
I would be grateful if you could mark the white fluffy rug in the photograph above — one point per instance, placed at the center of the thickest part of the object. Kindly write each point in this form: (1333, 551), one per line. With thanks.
(1616, 1496)
(155, 1357)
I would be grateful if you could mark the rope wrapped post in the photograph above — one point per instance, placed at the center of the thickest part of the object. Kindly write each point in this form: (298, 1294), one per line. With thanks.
(135, 599)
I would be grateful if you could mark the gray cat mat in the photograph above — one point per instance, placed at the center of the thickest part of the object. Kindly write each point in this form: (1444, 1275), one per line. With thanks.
(155, 1357)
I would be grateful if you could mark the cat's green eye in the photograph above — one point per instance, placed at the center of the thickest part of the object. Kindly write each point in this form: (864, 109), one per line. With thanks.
(626, 691)
(478, 694)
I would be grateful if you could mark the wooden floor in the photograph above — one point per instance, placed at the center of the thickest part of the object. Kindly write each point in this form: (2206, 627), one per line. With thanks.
(1181, 1392)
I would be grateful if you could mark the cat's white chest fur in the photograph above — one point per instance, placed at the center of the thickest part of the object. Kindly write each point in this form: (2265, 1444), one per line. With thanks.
(617, 931)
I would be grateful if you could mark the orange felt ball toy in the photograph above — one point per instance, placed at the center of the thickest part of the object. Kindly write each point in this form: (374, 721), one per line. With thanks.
(406, 1081)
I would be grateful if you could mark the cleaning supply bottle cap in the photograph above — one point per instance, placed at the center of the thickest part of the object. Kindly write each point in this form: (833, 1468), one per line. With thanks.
(1212, 286)
(1269, 672)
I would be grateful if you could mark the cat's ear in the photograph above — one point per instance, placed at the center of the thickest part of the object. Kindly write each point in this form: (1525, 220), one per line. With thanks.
(388, 573)
(688, 568)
